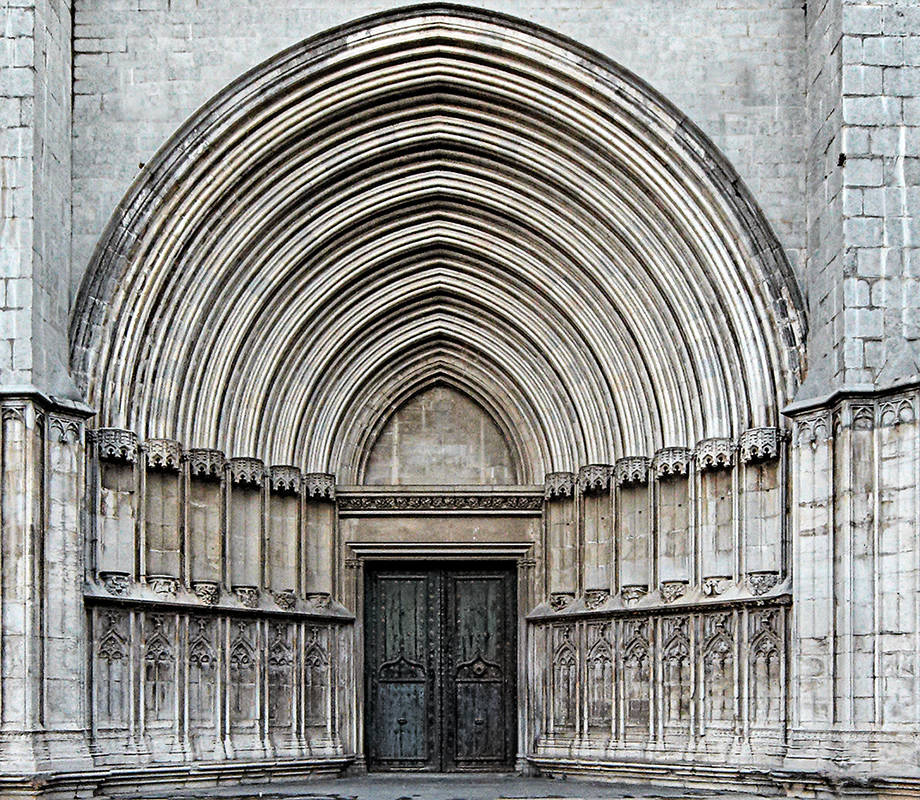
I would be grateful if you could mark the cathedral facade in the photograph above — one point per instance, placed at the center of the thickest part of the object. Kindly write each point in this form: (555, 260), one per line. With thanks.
(512, 386)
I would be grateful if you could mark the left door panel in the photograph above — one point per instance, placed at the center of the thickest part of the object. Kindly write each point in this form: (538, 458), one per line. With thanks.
(403, 664)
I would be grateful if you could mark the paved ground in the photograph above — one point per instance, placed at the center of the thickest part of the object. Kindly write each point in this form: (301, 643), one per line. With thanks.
(450, 787)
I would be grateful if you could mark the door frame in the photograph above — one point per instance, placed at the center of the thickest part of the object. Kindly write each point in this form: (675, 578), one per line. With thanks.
(356, 557)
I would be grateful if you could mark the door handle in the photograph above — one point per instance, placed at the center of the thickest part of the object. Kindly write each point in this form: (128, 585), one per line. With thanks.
(479, 721)
(402, 721)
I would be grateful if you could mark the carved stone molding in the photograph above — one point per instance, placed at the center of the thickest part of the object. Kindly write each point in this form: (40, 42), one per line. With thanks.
(208, 592)
(594, 478)
(285, 599)
(631, 470)
(895, 411)
(762, 581)
(813, 429)
(558, 485)
(633, 594)
(115, 583)
(64, 428)
(595, 598)
(319, 486)
(163, 454)
(671, 590)
(163, 585)
(352, 563)
(116, 444)
(247, 595)
(285, 479)
(205, 463)
(760, 444)
(671, 461)
(715, 585)
(318, 599)
(716, 453)
(245, 471)
(559, 600)
(439, 502)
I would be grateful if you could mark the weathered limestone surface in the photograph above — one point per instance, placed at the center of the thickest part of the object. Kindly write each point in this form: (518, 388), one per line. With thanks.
(444, 248)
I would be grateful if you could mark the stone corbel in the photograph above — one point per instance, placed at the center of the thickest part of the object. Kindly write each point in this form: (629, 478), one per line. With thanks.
(246, 471)
(594, 478)
(205, 463)
(671, 462)
(319, 486)
(631, 471)
(116, 444)
(558, 485)
(165, 454)
(715, 453)
(285, 479)
(760, 444)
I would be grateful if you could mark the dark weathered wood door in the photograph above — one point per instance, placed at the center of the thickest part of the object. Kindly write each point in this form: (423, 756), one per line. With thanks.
(440, 667)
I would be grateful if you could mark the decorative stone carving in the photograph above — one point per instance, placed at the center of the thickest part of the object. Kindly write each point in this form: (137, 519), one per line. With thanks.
(285, 479)
(205, 463)
(811, 430)
(319, 486)
(631, 470)
(633, 594)
(558, 485)
(116, 583)
(163, 454)
(280, 652)
(246, 471)
(671, 590)
(594, 478)
(434, 502)
(112, 645)
(247, 595)
(207, 591)
(716, 453)
(760, 444)
(201, 653)
(163, 585)
(64, 428)
(715, 585)
(285, 599)
(671, 461)
(896, 411)
(559, 600)
(762, 581)
(595, 598)
(116, 444)
(318, 600)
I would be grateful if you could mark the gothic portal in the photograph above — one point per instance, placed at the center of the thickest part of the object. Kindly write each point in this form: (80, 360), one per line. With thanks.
(446, 408)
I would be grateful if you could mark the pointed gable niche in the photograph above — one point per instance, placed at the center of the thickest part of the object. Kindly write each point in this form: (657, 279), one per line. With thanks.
(440, 436)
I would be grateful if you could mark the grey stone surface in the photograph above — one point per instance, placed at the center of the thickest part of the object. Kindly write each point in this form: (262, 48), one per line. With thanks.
(707, 588)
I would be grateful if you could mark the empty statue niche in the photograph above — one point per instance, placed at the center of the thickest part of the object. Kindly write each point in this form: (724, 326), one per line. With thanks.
(440, 436)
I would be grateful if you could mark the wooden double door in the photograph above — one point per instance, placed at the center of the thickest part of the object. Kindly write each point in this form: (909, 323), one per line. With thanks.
(441, 659)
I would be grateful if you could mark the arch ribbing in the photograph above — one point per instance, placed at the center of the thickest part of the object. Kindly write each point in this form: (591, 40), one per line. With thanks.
(432, 191)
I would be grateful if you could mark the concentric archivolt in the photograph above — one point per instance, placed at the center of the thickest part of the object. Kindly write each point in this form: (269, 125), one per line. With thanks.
(431, 194)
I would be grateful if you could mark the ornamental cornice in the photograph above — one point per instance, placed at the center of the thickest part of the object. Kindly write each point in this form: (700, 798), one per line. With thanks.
(485, 502)
(631, 470)
(163, 454)
(246, 471)
(205, 463)
(594, 478)
(285, 478)
(671, 461)
(715, 453)
(760, 444)
(558, 485)
(319, 486)
(116, 444)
